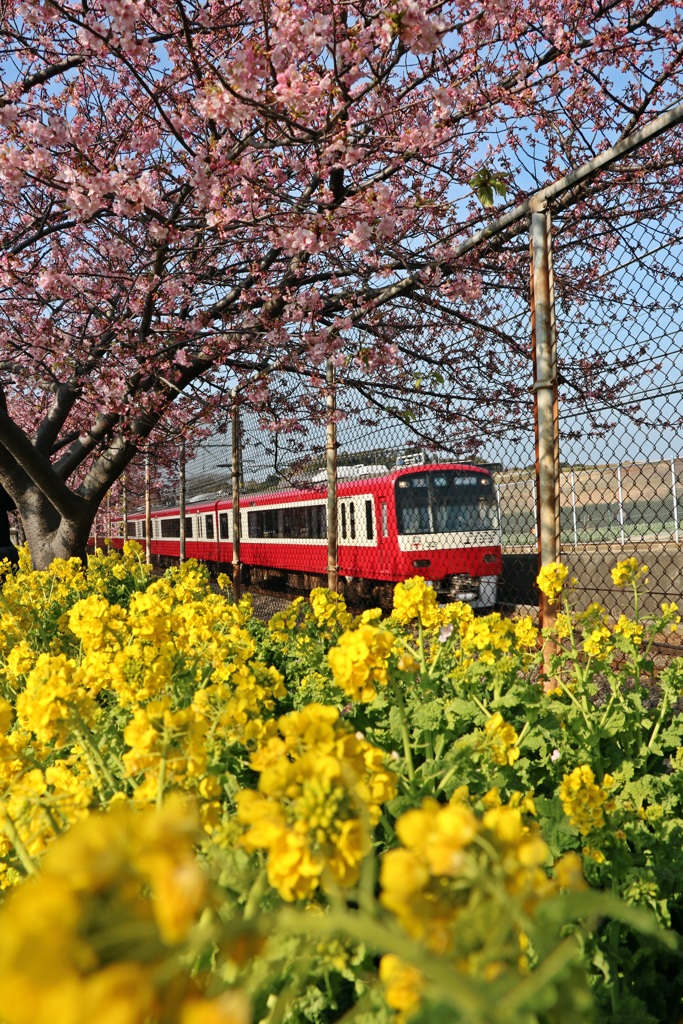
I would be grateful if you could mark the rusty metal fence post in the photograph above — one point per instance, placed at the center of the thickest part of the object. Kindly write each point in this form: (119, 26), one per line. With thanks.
(236, 530)
(331, 467)
(182, 492)
(148, 512)
(124, 506)
(546, 425)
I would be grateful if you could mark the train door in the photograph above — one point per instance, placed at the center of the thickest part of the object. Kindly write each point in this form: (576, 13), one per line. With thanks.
(382, 525)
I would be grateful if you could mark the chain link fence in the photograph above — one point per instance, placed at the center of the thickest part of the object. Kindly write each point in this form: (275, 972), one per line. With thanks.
(621, 446)
(438, 468)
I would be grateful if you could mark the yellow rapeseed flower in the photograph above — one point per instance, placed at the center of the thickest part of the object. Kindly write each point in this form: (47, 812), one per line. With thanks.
(630, 630)
(501, 740)
(414, 600)
(583, 800)
(628, 572)
(403, 984)
(359, 662)
(321, 787)
(551, 579)
(598, 643)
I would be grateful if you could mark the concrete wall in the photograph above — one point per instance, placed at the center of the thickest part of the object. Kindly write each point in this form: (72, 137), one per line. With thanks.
(592, 569)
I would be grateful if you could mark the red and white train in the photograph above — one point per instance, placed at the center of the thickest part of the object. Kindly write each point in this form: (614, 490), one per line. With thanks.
(437, 520)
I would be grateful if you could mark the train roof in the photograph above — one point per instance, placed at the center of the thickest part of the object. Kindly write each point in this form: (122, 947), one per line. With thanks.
(316, 492)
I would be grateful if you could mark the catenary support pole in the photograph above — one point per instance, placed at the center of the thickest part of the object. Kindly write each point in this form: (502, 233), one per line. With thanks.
(107, 539)
(620, 511)
(148, 513)
(182, 492)
(576, 533)
(674, 499)
(331, 465)
(124, 505)
(545, 400)
(236, 530)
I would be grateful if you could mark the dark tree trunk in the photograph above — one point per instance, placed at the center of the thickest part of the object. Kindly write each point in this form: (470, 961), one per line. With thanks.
(7, 548)
(50, 535)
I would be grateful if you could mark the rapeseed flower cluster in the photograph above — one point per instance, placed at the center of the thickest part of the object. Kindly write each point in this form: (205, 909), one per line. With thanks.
(630, 630)
(457, 613)
(551, 580)
(415, 601)
(501, 740)
(35, 602)
(161, 702)
(628, 572)
(92, 936)
(598, 643)
(359, 662)
(432, 884)
(583, 800)
(320, 792)
(129, 700)
(329, 610)
(403, 985)
(490, 636)
(670, 614)
(283, 623)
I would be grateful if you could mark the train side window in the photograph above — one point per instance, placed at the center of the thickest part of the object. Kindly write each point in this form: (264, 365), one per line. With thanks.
(143, 528)
(352, 519)
(188, 526)
(320, 521)
(385, 520)
(223, 525)
(255, 525)
(343, 521)
(209, 530)
(369, 525)
(170, 527)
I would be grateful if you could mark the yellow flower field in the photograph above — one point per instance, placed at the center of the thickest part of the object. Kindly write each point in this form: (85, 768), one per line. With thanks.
(207, 819)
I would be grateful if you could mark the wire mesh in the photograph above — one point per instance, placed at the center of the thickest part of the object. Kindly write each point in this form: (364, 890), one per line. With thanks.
(620, 413)
(461, 395)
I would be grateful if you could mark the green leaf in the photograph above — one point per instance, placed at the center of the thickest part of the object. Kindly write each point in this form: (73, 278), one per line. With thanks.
(429, 715)
(486, 182)
(578, 905)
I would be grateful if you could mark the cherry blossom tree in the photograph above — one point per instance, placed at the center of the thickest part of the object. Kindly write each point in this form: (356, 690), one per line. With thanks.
(195, 191)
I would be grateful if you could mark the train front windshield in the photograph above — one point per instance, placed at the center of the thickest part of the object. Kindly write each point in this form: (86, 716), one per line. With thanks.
(445, 501)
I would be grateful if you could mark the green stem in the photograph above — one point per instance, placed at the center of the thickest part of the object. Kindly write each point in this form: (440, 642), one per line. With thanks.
(15, 839)
(609, 705)
(405, 735)
(614, 938)
(92, 767)
(420, 633)
(455, 989)
(659, 722)
(438, 657)
(255, 893)
(482, 707)
(409, 648)
(577, 704)
(87, 740)
(366, 884)
(523, 733)
(161, 784)
(429, 742)
(527, 990)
